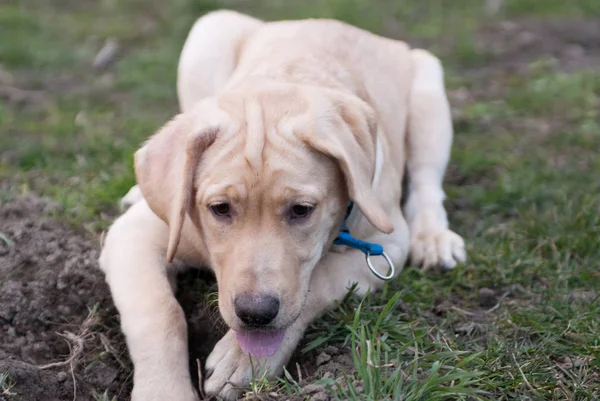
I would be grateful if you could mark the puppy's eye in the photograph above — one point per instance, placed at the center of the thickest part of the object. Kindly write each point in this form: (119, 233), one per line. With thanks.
(221, 209)
(300, 211)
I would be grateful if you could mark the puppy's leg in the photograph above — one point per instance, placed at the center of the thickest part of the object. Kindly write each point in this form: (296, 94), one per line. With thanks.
(133, 258)
(229, 369)
(428, 146)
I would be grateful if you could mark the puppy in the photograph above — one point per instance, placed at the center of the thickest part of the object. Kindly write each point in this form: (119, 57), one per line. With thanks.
(283, 125)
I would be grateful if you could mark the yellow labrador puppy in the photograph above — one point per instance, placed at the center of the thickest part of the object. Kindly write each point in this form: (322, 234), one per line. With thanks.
(283, 125)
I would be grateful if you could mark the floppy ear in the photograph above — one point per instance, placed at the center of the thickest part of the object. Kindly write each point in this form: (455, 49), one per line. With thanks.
(347, 132)
(165, 167)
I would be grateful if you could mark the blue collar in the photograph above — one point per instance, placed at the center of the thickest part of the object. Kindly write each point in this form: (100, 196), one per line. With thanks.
(345, 238)
(368, 248)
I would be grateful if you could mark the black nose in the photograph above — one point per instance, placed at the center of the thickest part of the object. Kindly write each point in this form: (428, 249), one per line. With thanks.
(256, 309)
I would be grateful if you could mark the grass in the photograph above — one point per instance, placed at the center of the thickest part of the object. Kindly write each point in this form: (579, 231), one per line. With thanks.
(411, 371)
(6, 384)
(522, 186)
(103, 397)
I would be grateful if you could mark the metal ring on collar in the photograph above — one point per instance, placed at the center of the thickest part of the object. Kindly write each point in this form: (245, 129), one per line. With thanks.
(375, 272)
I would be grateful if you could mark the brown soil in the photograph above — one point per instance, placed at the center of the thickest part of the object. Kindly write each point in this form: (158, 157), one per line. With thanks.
(49, 281)
(574, 44)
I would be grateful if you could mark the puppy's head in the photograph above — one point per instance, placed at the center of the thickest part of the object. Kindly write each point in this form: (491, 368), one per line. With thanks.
(265, 174)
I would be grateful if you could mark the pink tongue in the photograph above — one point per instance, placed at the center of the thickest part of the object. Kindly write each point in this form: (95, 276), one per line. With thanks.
(258, 343)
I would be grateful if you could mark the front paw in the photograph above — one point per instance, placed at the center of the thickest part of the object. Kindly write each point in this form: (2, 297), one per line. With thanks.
(440, 247)
(229, 371)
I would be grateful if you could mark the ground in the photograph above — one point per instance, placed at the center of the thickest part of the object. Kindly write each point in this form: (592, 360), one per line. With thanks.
(520, 320)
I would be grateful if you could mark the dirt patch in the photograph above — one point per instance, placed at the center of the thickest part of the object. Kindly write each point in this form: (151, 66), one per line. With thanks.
(573, 43)
(54, 304)
(510, 47)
